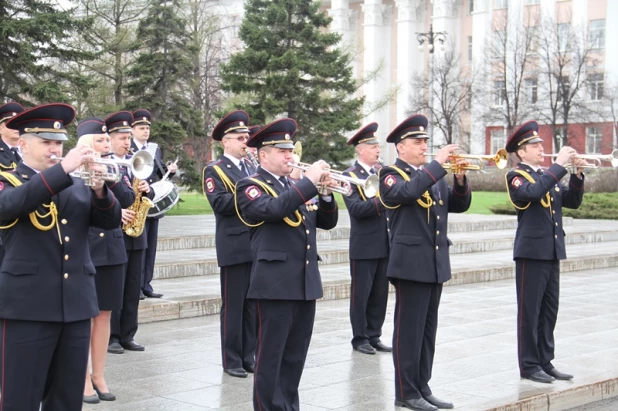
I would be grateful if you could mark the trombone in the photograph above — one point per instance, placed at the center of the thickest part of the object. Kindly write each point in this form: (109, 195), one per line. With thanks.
(596, 159)
(141, 165)
(476, 162)
(370, 186)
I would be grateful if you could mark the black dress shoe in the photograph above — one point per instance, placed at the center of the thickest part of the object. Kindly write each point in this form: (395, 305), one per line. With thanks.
(381, 347)
(418, 404)
(91, 399)
(104, 396)
(236, 372)
(142, 296)
(249, 368)
(558, 375)
(152, 294)
(540, 376)
(132, 346)
(114, 347)
(365, 349)
(433, 400)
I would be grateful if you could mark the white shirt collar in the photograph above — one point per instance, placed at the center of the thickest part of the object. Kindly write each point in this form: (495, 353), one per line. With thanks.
(365, 166)
(275, 176)
(233, 159)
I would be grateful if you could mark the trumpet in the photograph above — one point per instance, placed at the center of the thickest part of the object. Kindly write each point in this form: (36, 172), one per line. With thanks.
(501, 159)
(344, 183)
(597, 160)
(252, 158)
(141, 165)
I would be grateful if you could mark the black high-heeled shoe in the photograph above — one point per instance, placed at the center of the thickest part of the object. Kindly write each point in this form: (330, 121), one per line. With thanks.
(91, 399)
(103, 396)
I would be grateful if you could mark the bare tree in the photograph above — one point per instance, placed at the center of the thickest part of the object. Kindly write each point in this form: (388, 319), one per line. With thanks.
(449, 92)
(508, 61)
(565, 62)
(611, 99)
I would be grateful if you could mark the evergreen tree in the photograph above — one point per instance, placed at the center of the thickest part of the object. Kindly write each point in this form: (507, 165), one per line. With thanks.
(157, 82)
(292, 67)
(35, 46)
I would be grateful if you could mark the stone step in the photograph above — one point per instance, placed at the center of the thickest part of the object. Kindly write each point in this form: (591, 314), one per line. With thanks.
(179, 233)
(202, 261)
(198, 296)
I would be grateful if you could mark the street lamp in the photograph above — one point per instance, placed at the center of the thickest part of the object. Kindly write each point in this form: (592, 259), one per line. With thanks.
(429, 40)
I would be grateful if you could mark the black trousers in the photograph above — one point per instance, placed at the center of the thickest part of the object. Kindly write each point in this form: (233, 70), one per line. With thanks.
(152, 235)
(284, 333)
(238, 318)
(368, 299)
(538, 290)
(124, 321)
(414, 337)
(43, 364)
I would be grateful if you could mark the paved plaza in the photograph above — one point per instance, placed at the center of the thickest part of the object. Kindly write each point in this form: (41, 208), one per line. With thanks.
(475, 367)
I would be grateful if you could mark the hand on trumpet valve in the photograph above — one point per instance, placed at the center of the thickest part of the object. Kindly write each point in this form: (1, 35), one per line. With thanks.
(317, 172)
(565, 155)
(76, 157)
(97, 170)
(459, 170)
(446, 152)
(144, 187)
(579, 164)
(127, 216)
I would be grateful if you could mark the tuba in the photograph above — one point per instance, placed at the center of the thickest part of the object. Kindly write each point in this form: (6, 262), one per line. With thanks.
(141, 206)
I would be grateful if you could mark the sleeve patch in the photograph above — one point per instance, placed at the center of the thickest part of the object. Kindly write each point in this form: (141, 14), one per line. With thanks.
(517, 181)
(210, 184)
(390, 181)
(1, 186)
(252, 192)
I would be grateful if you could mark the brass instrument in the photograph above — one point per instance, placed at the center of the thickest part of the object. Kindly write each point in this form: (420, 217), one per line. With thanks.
(88, 174)
(142, 165)
(370, 186)
(476, 163)
(252, 158)
(596, 159)
(141, 206)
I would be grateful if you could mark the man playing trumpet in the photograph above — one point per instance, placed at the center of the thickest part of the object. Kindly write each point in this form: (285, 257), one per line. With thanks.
(539, 197)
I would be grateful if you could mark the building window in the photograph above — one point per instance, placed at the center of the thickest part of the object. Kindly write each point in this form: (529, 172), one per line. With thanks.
(596, 87)
(532, 2)
(498, 44)
(498, 140)
(471, 7)
(499, 93)
(560, 132)
(594, 138)
(597, 34)
(502, 4)
(532, 90)
(469, 49)
(563, 33)
(533, 39)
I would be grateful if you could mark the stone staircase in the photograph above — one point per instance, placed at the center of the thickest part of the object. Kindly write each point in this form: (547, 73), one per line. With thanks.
(186, 269)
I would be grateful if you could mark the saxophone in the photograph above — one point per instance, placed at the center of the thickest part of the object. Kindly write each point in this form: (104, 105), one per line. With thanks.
(141, 205)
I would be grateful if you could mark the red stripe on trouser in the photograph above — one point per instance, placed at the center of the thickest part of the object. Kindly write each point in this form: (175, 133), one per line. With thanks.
(521, 315)
(225, 308)
(399, 303)
(259, 354)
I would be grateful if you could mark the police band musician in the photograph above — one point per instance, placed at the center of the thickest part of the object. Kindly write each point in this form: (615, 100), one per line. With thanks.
(285, 280)
(47, 286)
(142, 121)
(419, 199)
(538, 196)
(369, 247)
(124, 322)
(109, 258)
(238, 319)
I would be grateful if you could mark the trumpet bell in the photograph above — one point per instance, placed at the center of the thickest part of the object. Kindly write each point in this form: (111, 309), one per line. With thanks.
(141, 164)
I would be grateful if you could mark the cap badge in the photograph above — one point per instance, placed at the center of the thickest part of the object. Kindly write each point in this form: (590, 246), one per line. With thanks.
(104, 129)
(241, 123)
(287, 137)
(124, 123)
(534, 133)
(13, 114)
(421, 128)
(57, 125)
(144, 118)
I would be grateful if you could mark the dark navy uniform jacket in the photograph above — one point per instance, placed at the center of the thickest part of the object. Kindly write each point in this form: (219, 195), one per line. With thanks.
(540, 233)
(419, 245)
(232, 236)
(285, 259)
(368, 222)
(7, 158)
(107, 246)
(41, 279)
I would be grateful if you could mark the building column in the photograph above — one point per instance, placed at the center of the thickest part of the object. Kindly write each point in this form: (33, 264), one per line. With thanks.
(345, 23)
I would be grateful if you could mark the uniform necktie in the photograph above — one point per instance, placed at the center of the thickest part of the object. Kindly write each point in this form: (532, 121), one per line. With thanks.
(284, 181)
(243, 168)
(372, 170)
(540, 171)
(16, 153)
